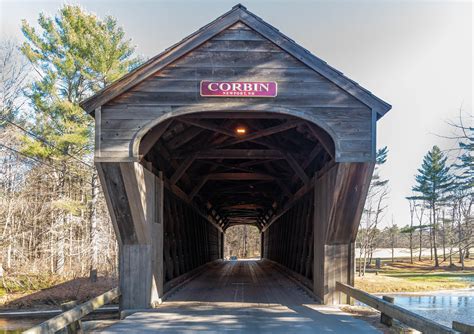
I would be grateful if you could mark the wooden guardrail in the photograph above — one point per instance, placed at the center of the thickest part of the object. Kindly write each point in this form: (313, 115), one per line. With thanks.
(74, 315)
(409, 318)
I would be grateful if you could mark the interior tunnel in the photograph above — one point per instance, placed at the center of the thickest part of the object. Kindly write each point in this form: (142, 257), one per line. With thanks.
(221, 170)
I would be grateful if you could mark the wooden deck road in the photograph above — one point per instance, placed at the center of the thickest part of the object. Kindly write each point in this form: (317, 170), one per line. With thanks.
(241, 297)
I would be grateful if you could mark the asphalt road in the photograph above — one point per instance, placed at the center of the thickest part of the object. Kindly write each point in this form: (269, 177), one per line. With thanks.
(241, 297)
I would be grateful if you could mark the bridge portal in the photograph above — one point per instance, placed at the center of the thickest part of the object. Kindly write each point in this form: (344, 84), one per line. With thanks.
(235, 124)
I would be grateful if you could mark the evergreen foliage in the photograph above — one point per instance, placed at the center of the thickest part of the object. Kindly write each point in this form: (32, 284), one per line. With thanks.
(434, 180)
(75, 54)
(465, 163)
(433, 185)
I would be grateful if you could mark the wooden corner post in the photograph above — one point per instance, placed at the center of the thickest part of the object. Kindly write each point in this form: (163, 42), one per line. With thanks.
(134, 196)
(339, 197)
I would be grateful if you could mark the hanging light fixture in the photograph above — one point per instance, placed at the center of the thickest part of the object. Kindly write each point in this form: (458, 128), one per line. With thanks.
(241, 130)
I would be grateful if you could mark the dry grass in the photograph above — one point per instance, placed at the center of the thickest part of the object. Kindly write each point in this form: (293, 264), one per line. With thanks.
(80, 289)
(401, 276)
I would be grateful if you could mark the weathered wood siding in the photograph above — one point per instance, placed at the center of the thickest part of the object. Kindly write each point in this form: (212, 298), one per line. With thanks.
(237, 54)
(339, 197)
(289, 240)
(189, 239)
(134, 197)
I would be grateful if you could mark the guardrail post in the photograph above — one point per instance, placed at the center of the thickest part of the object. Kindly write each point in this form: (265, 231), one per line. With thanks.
(385, 319)
(74, 327)
(463, 328)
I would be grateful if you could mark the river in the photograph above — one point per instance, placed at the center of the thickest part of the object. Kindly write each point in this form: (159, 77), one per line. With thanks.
(442, 306)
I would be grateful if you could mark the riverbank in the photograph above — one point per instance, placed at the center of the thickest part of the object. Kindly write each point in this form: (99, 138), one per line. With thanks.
(53, 292)
(402, 276)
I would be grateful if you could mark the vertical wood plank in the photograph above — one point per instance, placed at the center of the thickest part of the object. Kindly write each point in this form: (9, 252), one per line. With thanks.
(98, 131)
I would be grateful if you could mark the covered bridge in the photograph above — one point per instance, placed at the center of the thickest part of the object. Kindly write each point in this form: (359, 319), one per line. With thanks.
(235, 124)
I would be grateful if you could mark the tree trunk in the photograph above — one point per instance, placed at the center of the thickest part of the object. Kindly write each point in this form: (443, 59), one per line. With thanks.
(421, 241)
(431, 236)
(93, 221)
(444, 238)
(434, 238)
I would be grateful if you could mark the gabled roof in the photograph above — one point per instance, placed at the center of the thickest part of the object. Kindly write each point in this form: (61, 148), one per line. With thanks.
(238, 13)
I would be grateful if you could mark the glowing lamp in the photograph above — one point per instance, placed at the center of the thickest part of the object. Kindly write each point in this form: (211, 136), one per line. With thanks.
(241, 131)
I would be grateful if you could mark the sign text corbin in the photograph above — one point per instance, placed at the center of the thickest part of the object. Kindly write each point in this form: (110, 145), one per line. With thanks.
(238, 89)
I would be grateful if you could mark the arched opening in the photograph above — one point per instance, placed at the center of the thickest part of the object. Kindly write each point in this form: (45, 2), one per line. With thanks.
(242, 242)
(233, 171)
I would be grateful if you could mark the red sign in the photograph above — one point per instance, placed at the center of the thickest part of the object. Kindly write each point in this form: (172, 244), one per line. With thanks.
(239, 89)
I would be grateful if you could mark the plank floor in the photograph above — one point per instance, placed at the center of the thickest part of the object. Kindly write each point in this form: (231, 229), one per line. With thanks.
(241, 297)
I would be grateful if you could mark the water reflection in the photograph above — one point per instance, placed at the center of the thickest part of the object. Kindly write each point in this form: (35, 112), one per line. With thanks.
(444, 307)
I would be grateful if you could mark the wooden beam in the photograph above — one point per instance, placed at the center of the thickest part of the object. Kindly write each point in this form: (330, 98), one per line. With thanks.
(297, 168)
(184, 137)
(228, 166)
(237, 154)
(254, 162)
(245, 114)
(60, 321)
(234, 188)
(405, 316)
(240, 176)
(153, 136)
(225, 131)
(323, 138)
(303, 190)
(209, 126)
(280, 183)
(262, 133)
(250, 206)
(182, 168)
(198, 187)
(313, 154)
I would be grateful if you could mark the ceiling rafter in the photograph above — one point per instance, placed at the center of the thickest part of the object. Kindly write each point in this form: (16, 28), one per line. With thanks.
(239, 179)
(323, 138)
(260, 133)
(235, 154)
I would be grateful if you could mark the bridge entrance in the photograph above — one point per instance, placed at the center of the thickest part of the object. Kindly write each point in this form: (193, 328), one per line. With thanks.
(236, 124)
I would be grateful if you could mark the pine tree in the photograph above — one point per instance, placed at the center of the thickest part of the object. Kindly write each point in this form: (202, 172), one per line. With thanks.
(465, 163)
(463, 193)
(433, 184)
(74, 55)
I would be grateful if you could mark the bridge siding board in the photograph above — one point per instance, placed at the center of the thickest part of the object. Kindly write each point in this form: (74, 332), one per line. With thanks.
(281, 239)
(190, 240)
(135, 273)
(118, 202)
(339, 200)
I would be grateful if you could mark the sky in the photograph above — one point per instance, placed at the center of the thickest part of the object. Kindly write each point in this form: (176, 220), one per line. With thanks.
(416, 55)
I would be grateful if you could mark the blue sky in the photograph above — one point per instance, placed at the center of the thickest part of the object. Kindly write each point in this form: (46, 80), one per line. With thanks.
(416, 55)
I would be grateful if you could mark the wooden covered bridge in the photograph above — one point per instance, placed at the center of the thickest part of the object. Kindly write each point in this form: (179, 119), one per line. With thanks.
(235, 124)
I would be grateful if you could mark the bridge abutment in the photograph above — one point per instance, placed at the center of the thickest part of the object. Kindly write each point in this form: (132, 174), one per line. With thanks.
(134, 196)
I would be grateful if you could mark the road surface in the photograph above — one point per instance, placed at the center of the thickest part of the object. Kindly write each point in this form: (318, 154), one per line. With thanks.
(241, 297)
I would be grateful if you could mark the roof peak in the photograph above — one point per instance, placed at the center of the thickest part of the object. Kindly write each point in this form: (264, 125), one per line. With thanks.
(239, 5)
